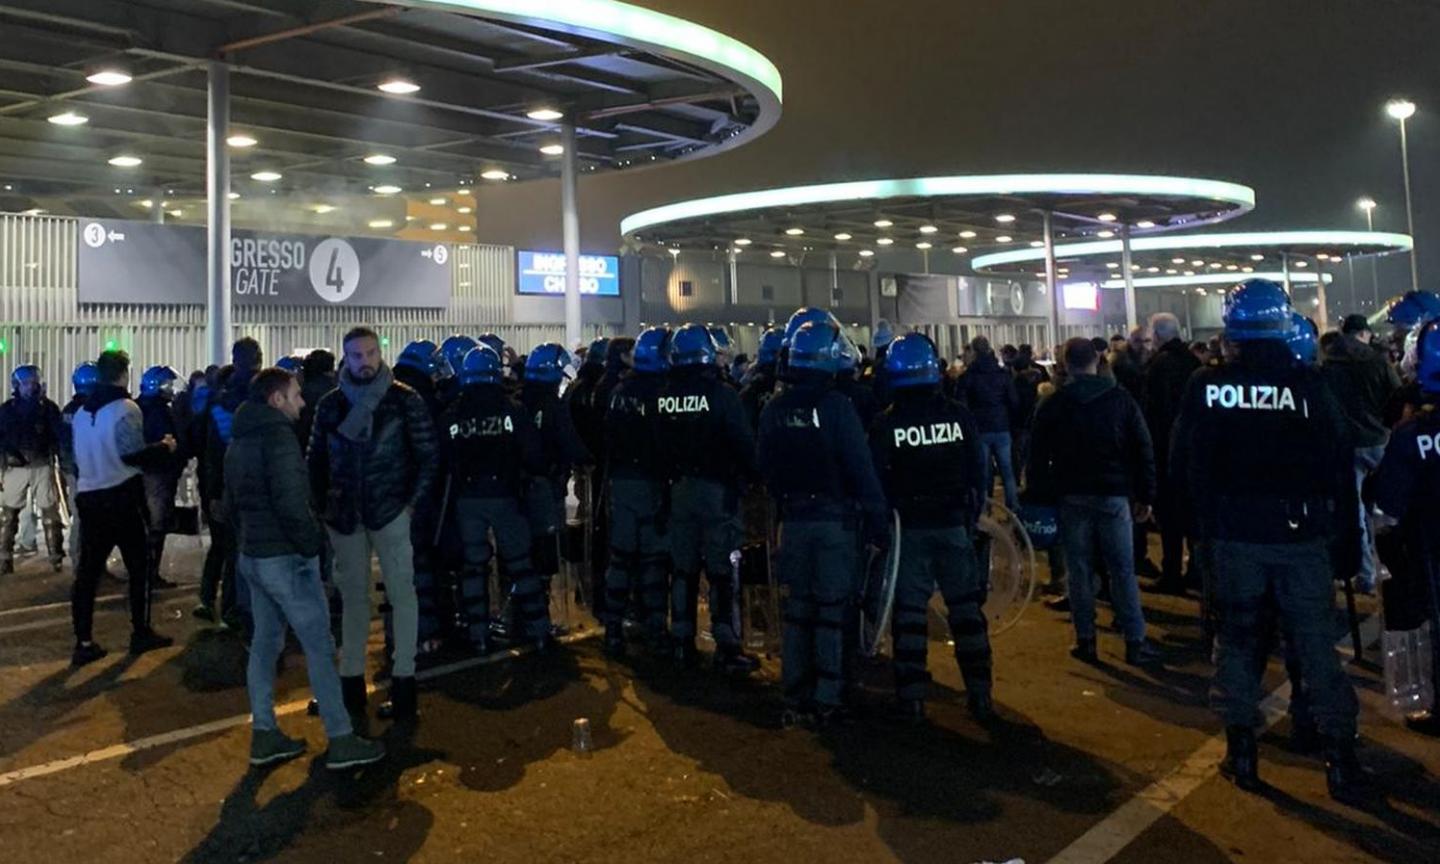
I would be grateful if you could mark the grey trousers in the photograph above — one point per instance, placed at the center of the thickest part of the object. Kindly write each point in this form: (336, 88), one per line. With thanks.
(391, 545)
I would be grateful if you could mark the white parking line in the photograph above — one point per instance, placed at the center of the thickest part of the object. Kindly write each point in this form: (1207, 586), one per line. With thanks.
(107, 598)
(1111, 835)
(119, 751)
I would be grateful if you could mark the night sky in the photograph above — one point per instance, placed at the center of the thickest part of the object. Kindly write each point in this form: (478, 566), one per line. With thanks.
(1286, 96)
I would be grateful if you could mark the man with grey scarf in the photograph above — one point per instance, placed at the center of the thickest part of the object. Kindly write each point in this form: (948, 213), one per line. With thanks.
(372, 457)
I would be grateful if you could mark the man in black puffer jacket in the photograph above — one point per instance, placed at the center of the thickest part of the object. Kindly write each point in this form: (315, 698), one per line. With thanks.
(1091, 455)
(372, 459)
(988, 390)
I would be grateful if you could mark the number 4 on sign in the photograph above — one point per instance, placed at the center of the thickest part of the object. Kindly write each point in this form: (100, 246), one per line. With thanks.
(334, 274)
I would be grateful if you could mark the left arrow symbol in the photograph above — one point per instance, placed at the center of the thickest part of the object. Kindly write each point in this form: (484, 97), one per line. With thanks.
(116, 235)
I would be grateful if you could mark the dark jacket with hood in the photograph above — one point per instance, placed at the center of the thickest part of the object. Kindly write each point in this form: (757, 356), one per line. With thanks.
(67, 435)
(1166, 376)
(560, 442)
(1090, 439)
(312, 391)
(267, 497)
(30, 430)
(1028, 378)
(1363, 382)
(988, 390)
(219, 427)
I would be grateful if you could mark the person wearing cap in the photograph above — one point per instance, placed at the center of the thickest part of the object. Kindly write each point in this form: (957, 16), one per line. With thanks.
(1363, 381)
(1264, 454)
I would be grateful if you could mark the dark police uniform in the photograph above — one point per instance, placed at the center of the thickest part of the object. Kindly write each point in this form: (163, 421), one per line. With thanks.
(710, 451)
(493, 445)
(927, 453)
(1260, 444)
(635, 468)
(816, 463)
(561, 451)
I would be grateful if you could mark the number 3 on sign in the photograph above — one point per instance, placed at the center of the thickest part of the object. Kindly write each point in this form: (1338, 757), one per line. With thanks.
(334, 270)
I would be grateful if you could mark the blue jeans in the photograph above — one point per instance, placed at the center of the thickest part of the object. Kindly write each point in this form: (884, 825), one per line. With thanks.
(287, 590)
(1087, 522)
(996, 446)
(1367, 459)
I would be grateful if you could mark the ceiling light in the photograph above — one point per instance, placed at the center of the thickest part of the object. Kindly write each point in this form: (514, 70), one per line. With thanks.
(176, 213)
(778, 253)
(1152, 269)
(1323, 257)
(1004, 218)
(126, 161)
(1036, 244)
(743, 241)
(467, 227)
(928, 229)
(960, 250)
(1177, 260)
(1106, 217)
(545, 114)
(794, 232)
(266, 176)
(924, 245)
(233, 195)
(437, 201)
(322, 209)
(883, 223)
(398, 87)
(866, 253)
(1197, 263)
(387, 189)
(68, 118)
(462, 210)
(1112, 265)
(1004, 238)
(842, 236)
(241, 140)
(438, 226)
(379, 159)
(1144, 223)
(1232, 267)
(967, 235)
(1257, 257)
(381, 223)
(1247, 269)
(553, 149)
(885, 241)
(108, 77)
(493, 174)
(1189, 272)
(1302, 263)
(1104, 235)
(1171, 271)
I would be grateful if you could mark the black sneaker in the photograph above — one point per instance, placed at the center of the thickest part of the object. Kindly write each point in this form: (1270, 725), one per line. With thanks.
(1347, 781)
(203, 612)
(1304, 736)
(271, 747)
(1084, 651)
(352, 751)
(1141, 653)
(87, 652)
(148, 640)
(1058, 604)
(981, 705)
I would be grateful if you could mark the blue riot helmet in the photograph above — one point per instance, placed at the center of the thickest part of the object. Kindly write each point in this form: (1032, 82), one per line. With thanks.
(422, 356)
(804, 316)
(1428, 363)
(816, 346)
(546, 364)
(723, 345)
(884, 334)
(912, 362)
(1257, 309)
(595, 354)
(453, 351)
(652, 350)
(495, 342)
(1414, 309)
(85, 378)
(481, 366)
(849, 354)
(769, 351)
(692, 345)
(28, 372)
(1302, 339)
(158, 379)
(290, 363)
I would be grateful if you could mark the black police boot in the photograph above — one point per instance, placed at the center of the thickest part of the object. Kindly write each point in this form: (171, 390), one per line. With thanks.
(352, 691)
(1304, 737)
(907, 712)
(1084, 651)
(1242, 758)
(685, 654)
(1344, 777)
(9, 527)
(980, 703)
(1141, 653)
(403, 703)
(55, 545)
(146, 639)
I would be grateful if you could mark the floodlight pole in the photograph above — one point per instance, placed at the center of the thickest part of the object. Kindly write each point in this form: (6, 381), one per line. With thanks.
(1049, 223)
(217, 211)
(1409, 208)
(570, 225)
(1132, 315)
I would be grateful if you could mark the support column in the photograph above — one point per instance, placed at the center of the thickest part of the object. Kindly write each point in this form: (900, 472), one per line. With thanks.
(1132, 315)
(157, 210)
(570, 226)
(734, 277)
(1409, 209)
(834, 277)
(1285, 269)
(217, 210)
(1050, 285)
(1322, 312)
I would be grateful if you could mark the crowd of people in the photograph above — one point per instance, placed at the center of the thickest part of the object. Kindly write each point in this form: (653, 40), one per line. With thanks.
(1251, 453)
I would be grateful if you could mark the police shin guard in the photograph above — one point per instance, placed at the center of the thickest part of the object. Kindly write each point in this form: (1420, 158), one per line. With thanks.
(55, 543)
(1242, 758)
(9, 527)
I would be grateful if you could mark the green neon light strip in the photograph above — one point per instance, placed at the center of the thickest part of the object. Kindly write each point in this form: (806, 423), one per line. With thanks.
(1242, 198)
(1210, 279)
(627, 23)
(1378, 242)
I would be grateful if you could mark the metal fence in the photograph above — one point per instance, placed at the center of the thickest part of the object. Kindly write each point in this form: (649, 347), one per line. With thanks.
(41, 321)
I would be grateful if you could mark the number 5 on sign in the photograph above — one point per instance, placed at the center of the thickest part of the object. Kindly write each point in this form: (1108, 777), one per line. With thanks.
(334, 270)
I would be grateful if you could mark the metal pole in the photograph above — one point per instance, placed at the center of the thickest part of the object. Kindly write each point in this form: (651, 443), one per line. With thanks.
(834, 277)
(1374, 268)
(1285, 268)
(1409, 210)
(570, 225)
(734, 278)
(1132, 315)
(217, 210)
(157, 211)
(1354, 295)
(1050, 283)
(1322, 312)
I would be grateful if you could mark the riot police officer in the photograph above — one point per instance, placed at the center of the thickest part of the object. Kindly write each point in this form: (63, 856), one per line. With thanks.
(816, 463)
(1261, 446)
(84, 380)
(928, 455)
(30, 433)
(452, 354)
(711, 452)
(419, 367)
(493, 446)
(639, 492)
(763, 378)
(157, 392)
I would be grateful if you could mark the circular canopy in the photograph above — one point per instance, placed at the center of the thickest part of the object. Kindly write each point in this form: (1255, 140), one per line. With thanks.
(951, 213)
(1193, 254)
(351, 97)
(1201, 283)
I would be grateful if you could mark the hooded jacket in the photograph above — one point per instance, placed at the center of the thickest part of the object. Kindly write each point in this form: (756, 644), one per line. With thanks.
(988, 390)
(1166, 375)
(1363, 382)
(266, 494)
(219, 427)
(1090, 439)
(110, 448)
